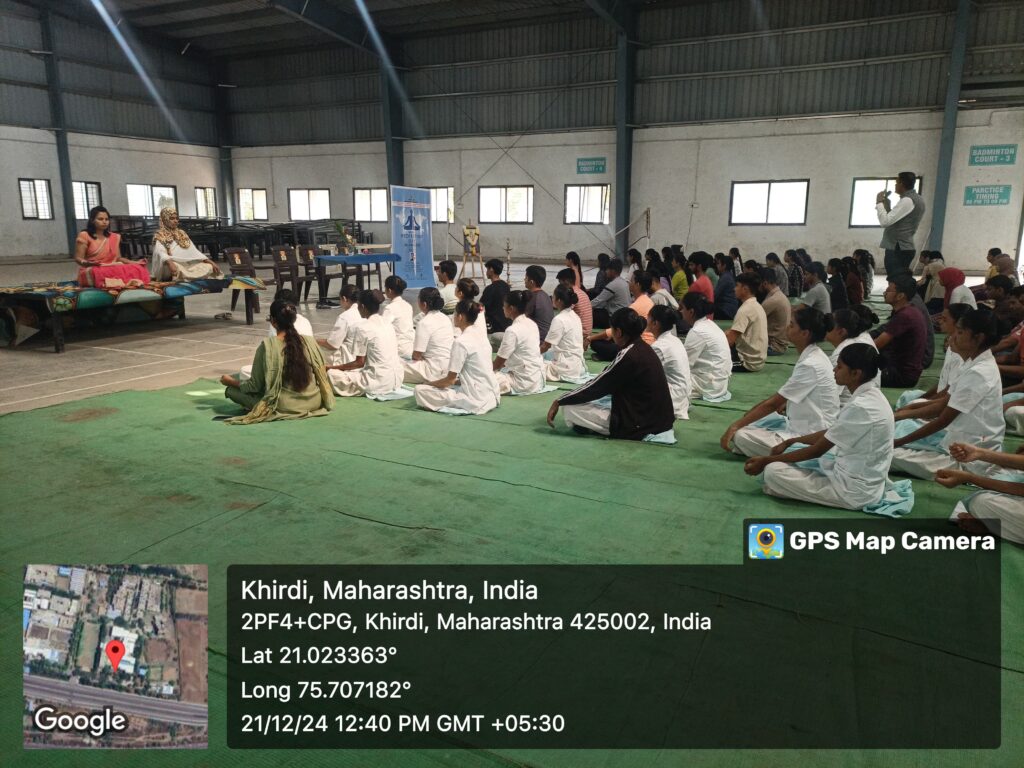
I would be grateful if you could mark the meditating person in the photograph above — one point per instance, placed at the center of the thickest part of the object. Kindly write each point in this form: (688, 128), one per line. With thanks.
(518, 366)
(855, 476)
(1004, 265)
(602, 343)
(613, 296)
(467, 290)
(601, 277)
(777, 310)
(661, 293)
(903, 339)
(670, 350)
(850, 326)
(572, 261)
(634, 263)
(854, 282)
(701, 264)
(796, 274)
(999, 501)
(810, 396)
(583, 308)
(98, 253)
(432, 345)
(399, 313)
(539, 307)
(930, 286)
(816, 295)
(680, 278)
(772, 262)
(289, 379)
(377, 367)
(470, 365)
(563, 348)
(837, 295)
(174, 256)
(952, 280)
(302, 325)
(629, 399)
(866, 265)
(340, 342)
(493, 301)
(748, 336)
(707, 350)
(446, 271)
(913, 399)
(726, 302)
(972, 414)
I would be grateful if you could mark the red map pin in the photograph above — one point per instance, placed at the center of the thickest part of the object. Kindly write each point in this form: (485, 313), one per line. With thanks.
(115, 652)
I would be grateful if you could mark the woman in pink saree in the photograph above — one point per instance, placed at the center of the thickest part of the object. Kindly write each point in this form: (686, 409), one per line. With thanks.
(98, 253)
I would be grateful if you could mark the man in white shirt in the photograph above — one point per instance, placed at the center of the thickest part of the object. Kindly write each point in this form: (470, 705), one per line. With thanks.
(900, 222)
(446, 272)
(376, 368)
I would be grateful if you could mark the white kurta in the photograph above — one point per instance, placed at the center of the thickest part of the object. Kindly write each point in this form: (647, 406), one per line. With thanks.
(434, 341)
(864, 338)
(480, 324)
(566, 339)
(963, 295)
(382, 371)
(707, 349)
(181, 256)
(674, 360)
(863, 436)
(524, 367)
(342, 337)
(477, 390)
(399, 312)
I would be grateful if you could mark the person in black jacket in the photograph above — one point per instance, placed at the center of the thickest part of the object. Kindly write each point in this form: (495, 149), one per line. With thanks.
(641, 403)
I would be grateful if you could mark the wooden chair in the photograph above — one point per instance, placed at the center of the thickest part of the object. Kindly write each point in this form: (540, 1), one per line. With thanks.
(240, 263)
(307, 263)
(284, 259)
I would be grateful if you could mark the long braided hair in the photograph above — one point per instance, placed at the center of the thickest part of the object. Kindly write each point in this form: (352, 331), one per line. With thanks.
(297, 373)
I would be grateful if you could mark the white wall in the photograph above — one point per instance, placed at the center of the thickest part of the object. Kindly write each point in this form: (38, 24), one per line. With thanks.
(113, 162)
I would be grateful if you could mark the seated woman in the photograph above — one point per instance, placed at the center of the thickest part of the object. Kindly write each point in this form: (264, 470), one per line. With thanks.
(565, 339)
(973, 413)
(838, 296)
(670, 350)
(288, 379)
(466, 289)
(862, 438)
(1001, 500)
(854, 282)
(340, 342)
(640, 288)
(630, 398)
(810, 397)
(707, 349)
(377, 367)
(913, 399)
(433, 343)
(850, 326)
(681, 277)
(98, 253)
(470, 365)
(953, 280)
(399, 312)
(518, 367)
(174, 256)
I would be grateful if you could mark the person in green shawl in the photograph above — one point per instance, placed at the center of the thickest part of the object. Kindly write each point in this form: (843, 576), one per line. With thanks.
(289, 377)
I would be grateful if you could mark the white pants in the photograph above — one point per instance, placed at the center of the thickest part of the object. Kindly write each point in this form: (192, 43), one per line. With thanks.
(507, 383)
(434, 399)
(421, 371)
(922, 464)
(757, 441)
(246, 373)
(791, 482)
(1015, 419)
(1008, 510)
(596, 418)
(347, 383)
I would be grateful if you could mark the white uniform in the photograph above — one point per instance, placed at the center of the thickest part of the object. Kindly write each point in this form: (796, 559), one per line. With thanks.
(864, 338)
(480, 324)
(477, 391)
(707, 349)
(523, 373)
(812, 404)
(342, 337)
(674, 360)
(434, 340)
(856, 477)
(1007, 509)
(399, 312)
(382, 371)
(191, 262)
(977, 394)
(963, 295)
(951, 366)
(566, 339)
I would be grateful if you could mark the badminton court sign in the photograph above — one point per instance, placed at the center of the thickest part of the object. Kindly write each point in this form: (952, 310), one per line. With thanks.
(591, 165)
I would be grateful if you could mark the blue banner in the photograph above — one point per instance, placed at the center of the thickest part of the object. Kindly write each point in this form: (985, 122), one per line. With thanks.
(410, 236)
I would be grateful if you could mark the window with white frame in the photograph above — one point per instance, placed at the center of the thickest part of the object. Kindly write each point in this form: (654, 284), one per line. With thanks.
(862, 201)
(150, 199)
(370, 204)
(206, 202)
(309, 204)
(587, 203)
(769, 202)
(252, 204)
(87, 197)
(506, 205)
(442, 204)
(35, 198)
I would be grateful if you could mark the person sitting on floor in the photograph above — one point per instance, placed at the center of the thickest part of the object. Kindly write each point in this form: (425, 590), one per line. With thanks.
(467, 290)
(493, 301)
(341, 340)
(518, 366)
(582, 306)
(432, 345)
(999, 500)
(837, 295)
(399, 313)
(854, 282)
(973, 413)
(726, 301)
(670, 350)
(629, 399)
(680, 278)
(913, 399)
(1004, 302)
(98, 253)
(850, 326)
(701, 265)
(446, 271)
(795, 272)
(601, 277)
(572, 261)
(773, 263)
(289, 379)
(816, 295)
(602, 343)
(748, 336)
(565, 336)
(539, 307)
(903, 339)
(613, 296)
(707, 350)
(470, 365)
(174, 256)
(810, 396)
(377, 367)
(862, 437)
(777, 310)
(952, 280)
(302, 325)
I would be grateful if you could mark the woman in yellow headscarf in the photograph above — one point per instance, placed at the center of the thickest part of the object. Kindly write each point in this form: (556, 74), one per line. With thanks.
(174, 256)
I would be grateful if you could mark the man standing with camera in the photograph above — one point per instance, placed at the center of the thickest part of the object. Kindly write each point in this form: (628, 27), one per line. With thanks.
(900, 222)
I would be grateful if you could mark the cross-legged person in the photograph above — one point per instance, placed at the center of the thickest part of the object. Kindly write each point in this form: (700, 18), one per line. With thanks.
(432, 344)
(377, 367)
(1000, 500)
(519, 367)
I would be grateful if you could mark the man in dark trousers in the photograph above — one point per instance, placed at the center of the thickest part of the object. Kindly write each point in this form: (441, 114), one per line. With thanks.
(900, 222)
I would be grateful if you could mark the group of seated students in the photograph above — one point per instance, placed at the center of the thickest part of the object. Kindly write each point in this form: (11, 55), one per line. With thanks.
(827, 436)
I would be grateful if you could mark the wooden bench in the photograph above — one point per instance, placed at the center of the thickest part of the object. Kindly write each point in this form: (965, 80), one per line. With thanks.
(56, 301)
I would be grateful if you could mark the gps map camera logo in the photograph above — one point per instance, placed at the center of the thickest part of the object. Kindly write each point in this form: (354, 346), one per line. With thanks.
(766, 541)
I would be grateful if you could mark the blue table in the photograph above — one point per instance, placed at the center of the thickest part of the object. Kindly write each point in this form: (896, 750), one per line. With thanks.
(356, 262)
